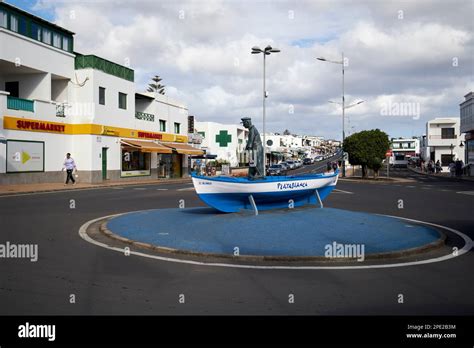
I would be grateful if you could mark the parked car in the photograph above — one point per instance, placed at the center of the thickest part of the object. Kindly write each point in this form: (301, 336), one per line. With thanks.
(318, 158)
(307, 161)
(291, 164)
(285, 165)
(276, 169)
(299, 163)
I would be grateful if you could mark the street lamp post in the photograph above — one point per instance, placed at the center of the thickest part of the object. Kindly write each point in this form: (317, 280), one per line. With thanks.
(266, 52)
(343, 104)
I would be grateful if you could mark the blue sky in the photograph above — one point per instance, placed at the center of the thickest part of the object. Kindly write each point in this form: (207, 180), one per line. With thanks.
(399, 53)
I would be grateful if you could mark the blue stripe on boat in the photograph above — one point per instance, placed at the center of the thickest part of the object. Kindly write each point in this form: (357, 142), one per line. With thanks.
(233, 202)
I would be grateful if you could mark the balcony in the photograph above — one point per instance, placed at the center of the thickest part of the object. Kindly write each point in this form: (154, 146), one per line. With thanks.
(449, 136)
(14, 103)
(442, 140)
(144, 116)
(108, 67)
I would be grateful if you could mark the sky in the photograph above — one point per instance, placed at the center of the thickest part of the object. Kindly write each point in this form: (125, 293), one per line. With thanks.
(408, 61)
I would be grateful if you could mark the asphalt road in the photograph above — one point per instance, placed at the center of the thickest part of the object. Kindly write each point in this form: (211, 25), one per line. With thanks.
(107, 282)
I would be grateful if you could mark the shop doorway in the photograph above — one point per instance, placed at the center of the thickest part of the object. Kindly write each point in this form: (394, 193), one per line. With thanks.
(104, 163)
(177, 165)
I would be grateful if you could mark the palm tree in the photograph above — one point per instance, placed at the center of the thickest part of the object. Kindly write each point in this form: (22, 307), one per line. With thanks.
(156, 87)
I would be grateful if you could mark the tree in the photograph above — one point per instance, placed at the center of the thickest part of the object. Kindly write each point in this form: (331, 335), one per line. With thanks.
(286, 132)
(156, 87)
(367, 149)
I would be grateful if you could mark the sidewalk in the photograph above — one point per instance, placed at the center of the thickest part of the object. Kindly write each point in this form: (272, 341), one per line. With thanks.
(6, 190)
(446, 176)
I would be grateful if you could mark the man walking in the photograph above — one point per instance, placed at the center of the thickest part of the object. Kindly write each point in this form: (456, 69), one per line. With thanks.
(69, 165)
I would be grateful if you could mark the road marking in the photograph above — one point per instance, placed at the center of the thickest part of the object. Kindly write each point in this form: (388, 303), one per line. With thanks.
(163, 233)
(140, 188)
(117, 188)
(411, 186)
(186, 189)
(162, 189)
(342, 191)
(468, 244)
(471, 193)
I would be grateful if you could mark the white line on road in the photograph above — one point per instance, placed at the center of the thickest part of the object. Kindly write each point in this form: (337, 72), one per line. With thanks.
(186, 189)
(342, 191)
(471, 193)
(140, 188)
(467, 246)
(411, 186)
(162, 189)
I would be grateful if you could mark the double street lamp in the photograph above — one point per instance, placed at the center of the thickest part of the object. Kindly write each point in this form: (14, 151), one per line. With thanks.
(266, 52)
(343, 104)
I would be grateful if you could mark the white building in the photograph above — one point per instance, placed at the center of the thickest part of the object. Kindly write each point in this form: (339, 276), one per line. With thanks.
(443, 138)
(227, 141)
(467, 127)
(53, 101)
(403, 149)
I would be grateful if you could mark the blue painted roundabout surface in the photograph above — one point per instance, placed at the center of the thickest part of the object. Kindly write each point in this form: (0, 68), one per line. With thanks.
(302, 232)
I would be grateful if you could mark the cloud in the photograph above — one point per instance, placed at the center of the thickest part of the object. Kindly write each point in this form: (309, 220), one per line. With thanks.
(419, 52)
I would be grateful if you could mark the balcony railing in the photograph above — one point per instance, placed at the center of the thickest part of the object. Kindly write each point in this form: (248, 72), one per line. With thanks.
(448, 136)
(144, 116)
(14, 103)
(60, 110)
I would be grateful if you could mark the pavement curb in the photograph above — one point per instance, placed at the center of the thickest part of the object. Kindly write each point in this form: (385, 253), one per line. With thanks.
(442, 177)
(376, 256)
(382, 180)
(99, 186)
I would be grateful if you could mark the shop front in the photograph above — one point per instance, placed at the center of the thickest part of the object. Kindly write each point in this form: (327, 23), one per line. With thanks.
(175, 165)
(137, 157)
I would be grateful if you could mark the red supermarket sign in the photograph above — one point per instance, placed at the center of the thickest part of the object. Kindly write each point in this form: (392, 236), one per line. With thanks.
(388, 153)
(150, 135)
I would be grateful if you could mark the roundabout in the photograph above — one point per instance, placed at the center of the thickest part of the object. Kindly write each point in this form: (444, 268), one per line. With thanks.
(303, 238)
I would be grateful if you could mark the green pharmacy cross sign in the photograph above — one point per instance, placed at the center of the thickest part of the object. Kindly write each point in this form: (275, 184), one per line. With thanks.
(223, 138)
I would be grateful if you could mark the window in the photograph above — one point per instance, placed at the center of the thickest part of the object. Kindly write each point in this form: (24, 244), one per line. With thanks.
(396, 145)
(122, 101)
(56, 40)
(35, 31)
(3, 19)
(46, 38)
(405, 145)
(65, 43)
(22, 26)
(135, 160)
(13, 23)
(101, 95)
(446, 160)
(176, 127)
(162, 126)
(447, 133)
(399, 157)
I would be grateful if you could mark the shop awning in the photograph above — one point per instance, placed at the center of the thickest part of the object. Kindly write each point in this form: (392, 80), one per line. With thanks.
(147, 146)
(184, 148)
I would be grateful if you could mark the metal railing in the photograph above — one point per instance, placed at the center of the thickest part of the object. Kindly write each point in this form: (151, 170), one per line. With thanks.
(60, 108)
(448, 136)
(144, 116)
(14, 103)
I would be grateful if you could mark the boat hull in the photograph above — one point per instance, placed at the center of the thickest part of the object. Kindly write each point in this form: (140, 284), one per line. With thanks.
(232, 194)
